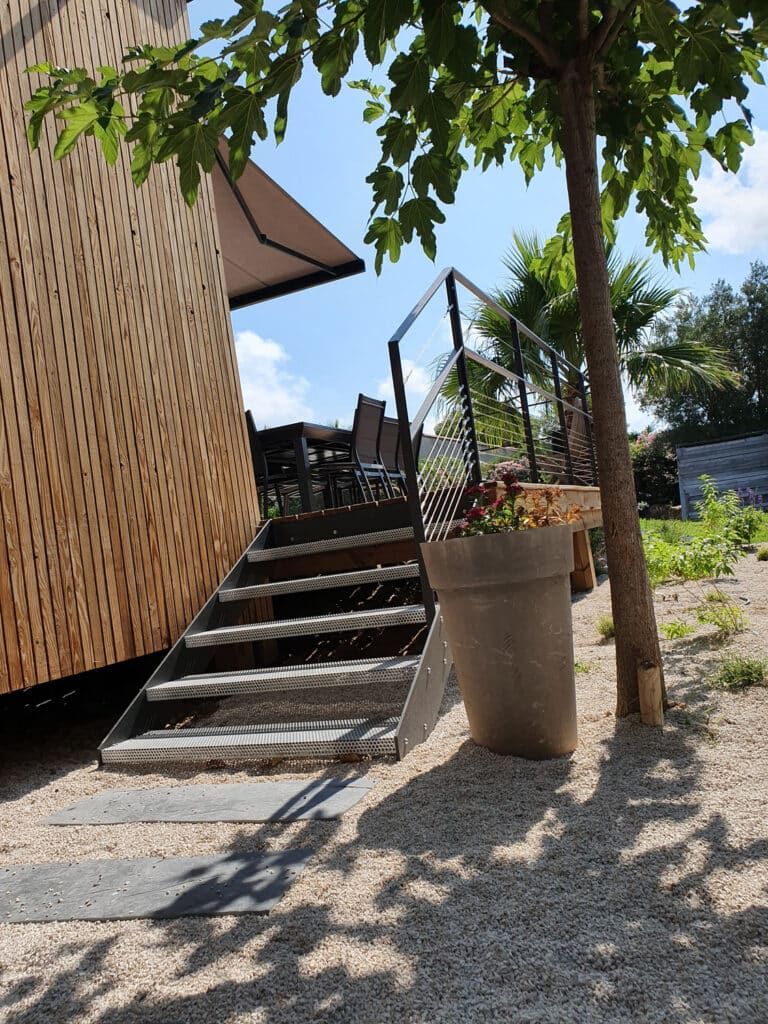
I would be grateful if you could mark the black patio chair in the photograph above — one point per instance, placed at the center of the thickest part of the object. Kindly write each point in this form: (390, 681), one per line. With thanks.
(365, 472)
(282, 483)
(389, 453)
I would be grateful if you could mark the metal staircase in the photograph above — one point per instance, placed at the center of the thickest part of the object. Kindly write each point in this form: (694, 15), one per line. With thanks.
(317, 644)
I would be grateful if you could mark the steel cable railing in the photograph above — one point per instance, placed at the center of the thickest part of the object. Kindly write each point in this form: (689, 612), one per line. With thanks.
(535, 415)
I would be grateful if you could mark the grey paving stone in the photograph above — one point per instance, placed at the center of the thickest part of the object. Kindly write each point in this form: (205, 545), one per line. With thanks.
(107, 890)
(238, 801)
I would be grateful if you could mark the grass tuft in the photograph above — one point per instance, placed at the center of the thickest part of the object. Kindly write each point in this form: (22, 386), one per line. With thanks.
(762, 554)
(581, 666)
(716, 596)
(739, 672)
(604, 627)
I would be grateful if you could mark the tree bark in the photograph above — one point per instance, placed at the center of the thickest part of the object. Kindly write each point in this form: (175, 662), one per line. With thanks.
(637, 641)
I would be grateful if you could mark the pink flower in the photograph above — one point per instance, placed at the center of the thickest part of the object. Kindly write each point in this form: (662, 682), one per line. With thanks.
(475, 490)
(474, 513)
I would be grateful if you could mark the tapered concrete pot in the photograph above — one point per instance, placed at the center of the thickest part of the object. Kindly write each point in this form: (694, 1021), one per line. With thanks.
(506, 601)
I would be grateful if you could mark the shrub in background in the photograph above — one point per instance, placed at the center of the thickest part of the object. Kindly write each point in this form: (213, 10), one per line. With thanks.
(655, 468)
(762, 555)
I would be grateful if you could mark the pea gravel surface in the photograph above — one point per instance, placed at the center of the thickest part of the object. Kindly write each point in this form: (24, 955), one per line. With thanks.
(628, 883)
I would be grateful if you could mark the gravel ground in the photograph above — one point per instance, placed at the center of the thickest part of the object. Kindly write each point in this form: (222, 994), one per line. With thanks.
(627, 883)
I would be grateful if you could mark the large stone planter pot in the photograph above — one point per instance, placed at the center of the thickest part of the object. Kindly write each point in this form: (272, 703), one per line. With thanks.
(506, 602)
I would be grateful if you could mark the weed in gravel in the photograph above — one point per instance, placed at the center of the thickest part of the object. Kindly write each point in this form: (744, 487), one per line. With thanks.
(727, 619)
(604, 627)
(716, 596)
(738, 672)
(762, 554)
(581, 666)
(676, 629)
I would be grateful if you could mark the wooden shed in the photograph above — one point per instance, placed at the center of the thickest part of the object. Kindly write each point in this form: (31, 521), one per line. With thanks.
(126, 487)
(739, 463)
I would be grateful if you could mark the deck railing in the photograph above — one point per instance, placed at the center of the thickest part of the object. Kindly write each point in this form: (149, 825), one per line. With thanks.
(480, 417)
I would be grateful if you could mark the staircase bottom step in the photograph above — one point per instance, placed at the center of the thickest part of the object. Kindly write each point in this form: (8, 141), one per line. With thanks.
(254, 742)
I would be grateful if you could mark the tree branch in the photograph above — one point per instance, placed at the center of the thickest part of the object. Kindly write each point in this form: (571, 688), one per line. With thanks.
(609, 27)
(547, 53)
(583, 22)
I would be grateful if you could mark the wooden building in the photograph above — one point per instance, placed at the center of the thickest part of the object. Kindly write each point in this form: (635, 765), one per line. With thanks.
(126, 488)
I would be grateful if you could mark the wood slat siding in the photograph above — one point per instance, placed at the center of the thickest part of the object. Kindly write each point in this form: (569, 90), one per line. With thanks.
(126, 489)
(734, 465)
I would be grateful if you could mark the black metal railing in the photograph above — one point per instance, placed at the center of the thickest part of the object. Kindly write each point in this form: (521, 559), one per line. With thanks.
(532, 419)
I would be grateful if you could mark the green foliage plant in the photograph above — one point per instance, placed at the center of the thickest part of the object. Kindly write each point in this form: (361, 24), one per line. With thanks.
(676, 629)
(605, 627)
(581, 667)
(723, 513)
(657, 85)
(727, 618)
(738, 672)
(715, 596)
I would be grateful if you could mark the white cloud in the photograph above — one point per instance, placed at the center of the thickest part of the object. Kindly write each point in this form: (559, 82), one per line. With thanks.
(734, 207)
(272, 393)
(418, 381)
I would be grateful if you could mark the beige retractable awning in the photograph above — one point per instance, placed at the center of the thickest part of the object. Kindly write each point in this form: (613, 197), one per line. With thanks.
(271, 245)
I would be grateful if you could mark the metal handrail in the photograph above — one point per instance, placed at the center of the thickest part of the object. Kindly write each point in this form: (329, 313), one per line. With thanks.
(435, 516)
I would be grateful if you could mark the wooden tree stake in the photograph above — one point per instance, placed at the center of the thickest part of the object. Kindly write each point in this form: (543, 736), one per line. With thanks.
(651, 697)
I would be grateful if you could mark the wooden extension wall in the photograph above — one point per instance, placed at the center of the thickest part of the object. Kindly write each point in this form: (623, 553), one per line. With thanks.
(125, 484)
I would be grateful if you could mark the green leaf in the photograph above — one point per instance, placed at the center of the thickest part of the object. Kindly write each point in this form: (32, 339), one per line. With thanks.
(387, 236)
(420, 216)
(332, 57)
(440, 21)
(374, 109)
(195, 148)
(244, 114)
(383, 18)
(410, 74)
(80, 119)
(388, 186)
(399, 139)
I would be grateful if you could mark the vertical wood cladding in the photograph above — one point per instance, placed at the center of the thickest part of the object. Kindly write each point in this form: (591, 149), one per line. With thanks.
(125, 484)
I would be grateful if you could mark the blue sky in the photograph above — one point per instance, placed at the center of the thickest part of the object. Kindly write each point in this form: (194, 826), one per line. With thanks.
(307, 355)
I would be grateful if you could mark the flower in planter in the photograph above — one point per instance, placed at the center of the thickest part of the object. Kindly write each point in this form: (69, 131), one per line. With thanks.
(511, 512)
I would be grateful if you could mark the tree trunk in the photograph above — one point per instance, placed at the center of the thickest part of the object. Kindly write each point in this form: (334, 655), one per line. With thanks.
(637, 639)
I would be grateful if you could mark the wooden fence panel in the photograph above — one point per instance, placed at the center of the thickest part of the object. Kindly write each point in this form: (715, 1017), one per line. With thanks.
(734, 465)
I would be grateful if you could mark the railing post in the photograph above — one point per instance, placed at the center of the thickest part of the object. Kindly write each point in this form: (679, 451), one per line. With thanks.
(411, 470)
(520, 371)
(471, 451)
(561, 418)
(588, 428)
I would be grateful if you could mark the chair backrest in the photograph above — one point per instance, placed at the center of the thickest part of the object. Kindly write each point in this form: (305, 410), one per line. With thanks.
(389, 443)
(366, 429)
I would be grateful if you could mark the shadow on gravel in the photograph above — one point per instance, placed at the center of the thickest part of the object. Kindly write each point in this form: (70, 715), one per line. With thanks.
(498, 896)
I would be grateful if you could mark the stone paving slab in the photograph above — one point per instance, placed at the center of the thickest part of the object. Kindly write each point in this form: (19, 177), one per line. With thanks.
(148, 887)
(241, 801)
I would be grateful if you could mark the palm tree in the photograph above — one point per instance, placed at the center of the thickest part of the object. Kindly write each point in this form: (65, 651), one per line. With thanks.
(542, 295)
(545, 299)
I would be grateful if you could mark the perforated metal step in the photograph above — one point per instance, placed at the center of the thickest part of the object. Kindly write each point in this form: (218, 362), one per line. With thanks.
(335, 580)
(254, 742)
(366, 672)
(317, 547)
(342, 622)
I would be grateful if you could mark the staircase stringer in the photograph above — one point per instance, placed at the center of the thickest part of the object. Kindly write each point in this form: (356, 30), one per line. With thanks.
(422, 705)
(213, 613)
